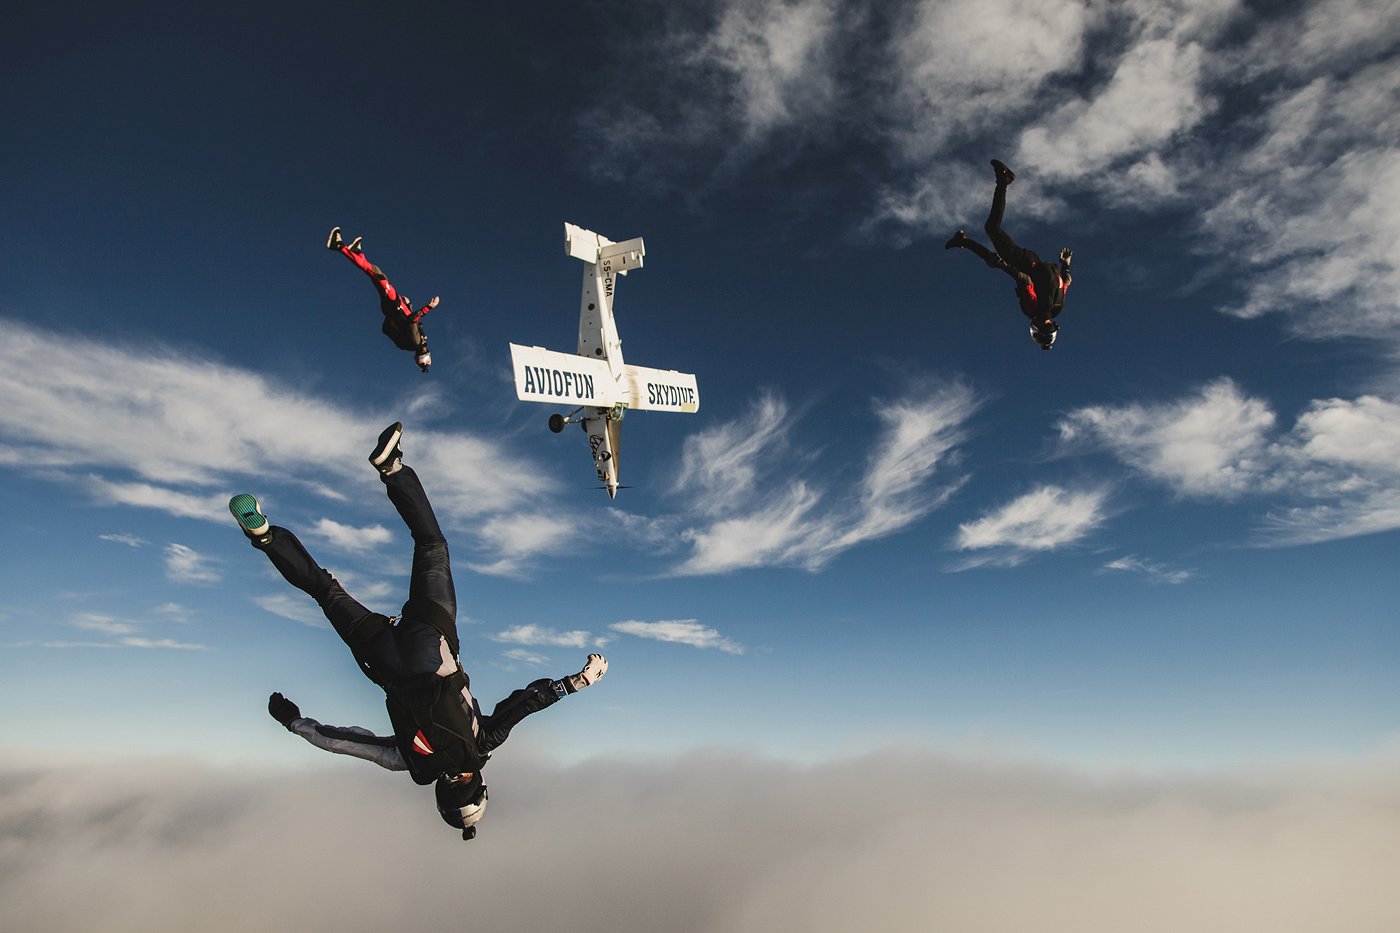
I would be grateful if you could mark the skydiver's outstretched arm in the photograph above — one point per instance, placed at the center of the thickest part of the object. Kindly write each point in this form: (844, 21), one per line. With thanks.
(495, 729)
(341, 740)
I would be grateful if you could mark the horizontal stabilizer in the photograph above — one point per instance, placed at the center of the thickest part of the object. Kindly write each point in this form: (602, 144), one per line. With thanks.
(596, 249)
(660, 389)
(565, 378)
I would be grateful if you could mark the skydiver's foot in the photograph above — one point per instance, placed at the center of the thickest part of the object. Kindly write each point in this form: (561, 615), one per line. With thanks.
(1004, 175)
(250, 517)
(386, 456)
(592, 672)
(357, 246)
(958, 241)
(334, 241)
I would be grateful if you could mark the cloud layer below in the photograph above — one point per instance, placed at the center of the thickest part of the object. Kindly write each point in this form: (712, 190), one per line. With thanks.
(712, 843)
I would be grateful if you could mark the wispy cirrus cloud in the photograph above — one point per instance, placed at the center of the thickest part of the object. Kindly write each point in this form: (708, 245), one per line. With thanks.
(186, 565)
(726, 80)
(1154, 571)
(1334, 474)
(681, 632)
(203, 426)
(349, 537)
(783, 517)
(104, 624)
(121, 633)
(517, 540)
(296, 607)
(1212, 443)
(539, 635)
(1043, 519)
(132, 541)
(532, 658)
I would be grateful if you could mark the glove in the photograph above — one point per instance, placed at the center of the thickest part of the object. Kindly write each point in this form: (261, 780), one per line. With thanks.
(1065, 256)
(283, 710)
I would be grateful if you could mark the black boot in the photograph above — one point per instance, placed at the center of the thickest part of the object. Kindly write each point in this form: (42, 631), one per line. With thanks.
(1004, 175)
(958, 241)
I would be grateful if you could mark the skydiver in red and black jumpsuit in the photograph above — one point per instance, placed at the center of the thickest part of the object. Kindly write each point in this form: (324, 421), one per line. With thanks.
(1040, 286)
(401, 322)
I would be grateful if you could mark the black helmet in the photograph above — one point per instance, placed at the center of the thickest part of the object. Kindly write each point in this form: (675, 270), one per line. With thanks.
(462, 804)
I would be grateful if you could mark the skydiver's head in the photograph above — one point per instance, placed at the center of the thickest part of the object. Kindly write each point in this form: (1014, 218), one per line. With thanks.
(424, 360)
(461, 801)
(1044, 333)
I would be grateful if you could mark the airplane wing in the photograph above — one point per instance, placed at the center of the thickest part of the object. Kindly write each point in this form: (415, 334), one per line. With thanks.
(549, 376)
(660, 389)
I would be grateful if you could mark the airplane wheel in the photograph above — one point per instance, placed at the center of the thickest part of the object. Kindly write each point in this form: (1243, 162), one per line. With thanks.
(556, 423)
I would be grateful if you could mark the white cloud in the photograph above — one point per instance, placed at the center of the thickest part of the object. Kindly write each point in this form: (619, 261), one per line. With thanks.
(129, 540)
(1152, 97)
(166, 643)
(775, 54)
(1153, 570)
(957, 67)
(778, 532)
(516, 540)
(729, 80)
(95, 622)
(185, 565)
(1210, 444)
(722, 464)
(920, 842)
(298, 608)
(350, 538)
(1043, 519)
(680, 631)
(540, 635)
(1333, 475)
(202, 425)
(786, 519)
(1361, 433)
(206, 506)
(533, 658)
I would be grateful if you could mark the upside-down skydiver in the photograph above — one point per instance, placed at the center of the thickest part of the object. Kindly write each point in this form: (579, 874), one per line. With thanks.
(401, 322)
(1040, 286)
(440, 736)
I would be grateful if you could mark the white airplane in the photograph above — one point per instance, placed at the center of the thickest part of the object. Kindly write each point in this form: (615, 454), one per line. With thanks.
(596, 380)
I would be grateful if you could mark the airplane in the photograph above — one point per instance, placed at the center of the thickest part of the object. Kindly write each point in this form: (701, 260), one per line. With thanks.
(596, 380)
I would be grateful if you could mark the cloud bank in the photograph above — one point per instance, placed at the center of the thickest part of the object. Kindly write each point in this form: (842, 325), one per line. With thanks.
(700, 845)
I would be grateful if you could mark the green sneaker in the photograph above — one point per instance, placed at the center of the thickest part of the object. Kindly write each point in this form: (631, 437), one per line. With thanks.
(245, 508)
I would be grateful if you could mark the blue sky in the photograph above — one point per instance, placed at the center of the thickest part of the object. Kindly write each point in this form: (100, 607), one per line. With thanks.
(908, 605)
(1168, 544)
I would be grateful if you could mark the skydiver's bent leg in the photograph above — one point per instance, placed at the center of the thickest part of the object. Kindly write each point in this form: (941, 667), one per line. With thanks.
(432, 597)
(368, 634)
(1017, 258)
(982, 253)
(381, 283)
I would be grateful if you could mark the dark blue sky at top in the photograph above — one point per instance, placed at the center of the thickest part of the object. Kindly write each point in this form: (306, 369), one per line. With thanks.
(171, 172)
